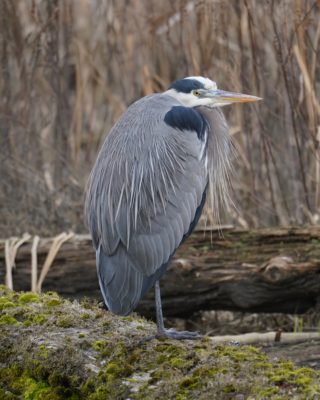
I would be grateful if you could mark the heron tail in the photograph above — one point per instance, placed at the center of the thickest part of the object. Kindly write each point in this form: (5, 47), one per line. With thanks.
(120, 283)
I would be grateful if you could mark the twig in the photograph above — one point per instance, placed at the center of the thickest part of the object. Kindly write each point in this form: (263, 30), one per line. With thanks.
(270, 337)
(34, 263)
(57, 243)
(11, 247)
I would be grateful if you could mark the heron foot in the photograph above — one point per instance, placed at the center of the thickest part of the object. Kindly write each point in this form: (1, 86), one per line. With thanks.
(178, 335)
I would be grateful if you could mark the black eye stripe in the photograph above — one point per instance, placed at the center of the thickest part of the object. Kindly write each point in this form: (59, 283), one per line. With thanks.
(186, 85)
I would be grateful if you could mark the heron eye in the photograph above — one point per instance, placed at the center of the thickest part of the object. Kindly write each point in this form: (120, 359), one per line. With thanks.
(196, 93)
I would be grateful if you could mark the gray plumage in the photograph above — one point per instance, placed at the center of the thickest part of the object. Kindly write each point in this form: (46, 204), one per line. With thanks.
(143, 193)
(148, 186)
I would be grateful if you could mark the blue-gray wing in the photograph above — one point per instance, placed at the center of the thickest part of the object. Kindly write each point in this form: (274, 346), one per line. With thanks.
(143, 194)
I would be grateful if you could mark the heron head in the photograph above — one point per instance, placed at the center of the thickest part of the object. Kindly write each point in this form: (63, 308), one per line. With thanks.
(195, 91)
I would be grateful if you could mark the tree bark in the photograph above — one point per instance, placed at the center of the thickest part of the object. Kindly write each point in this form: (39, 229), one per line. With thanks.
(269, 270)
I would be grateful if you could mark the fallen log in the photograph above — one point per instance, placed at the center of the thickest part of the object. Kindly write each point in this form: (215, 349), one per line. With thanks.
(269, 270)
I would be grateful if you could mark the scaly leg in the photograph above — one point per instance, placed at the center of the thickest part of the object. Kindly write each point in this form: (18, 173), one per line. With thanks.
(169, 333)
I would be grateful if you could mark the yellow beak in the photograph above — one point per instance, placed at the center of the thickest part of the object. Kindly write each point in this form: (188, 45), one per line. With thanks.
(224, 97)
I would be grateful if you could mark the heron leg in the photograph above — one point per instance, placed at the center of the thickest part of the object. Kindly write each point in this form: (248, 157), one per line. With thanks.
(159, 314)
(169, 333)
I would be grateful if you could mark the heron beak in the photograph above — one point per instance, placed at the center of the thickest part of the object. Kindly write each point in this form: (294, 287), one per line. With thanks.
(222, 97)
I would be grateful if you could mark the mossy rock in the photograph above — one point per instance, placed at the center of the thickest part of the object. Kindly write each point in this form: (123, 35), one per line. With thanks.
(52, 349)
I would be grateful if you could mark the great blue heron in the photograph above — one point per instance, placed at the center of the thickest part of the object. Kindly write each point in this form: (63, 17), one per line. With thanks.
(148, 187)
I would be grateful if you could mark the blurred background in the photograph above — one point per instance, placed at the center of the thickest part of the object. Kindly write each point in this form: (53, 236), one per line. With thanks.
(70, 68)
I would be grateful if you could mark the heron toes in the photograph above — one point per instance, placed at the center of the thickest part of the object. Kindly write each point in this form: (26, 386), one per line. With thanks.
(178, 335)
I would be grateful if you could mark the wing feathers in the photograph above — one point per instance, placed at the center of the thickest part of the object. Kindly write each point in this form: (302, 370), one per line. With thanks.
(120, 283)
(142, 196)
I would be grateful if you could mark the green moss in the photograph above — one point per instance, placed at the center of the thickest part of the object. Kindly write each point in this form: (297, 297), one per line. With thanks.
(99, 314)
(205, 372)
(34, 319)
(7, 320)
(53, 302)
(31, 388)
(161, 373)
(229, 389)
(161, 358)
(85, 316)
(303, 381)
(36, 390)
(29, 298)
(3, 288)
(286, 374)
(98, 345)
(113, 369)
(106, 349)
(262, 365)
(105, 358)
(5, 302)
(84, 344)
(88, 303)
(129, 318)
(121, 349)
(120, 368)
(65, 322)
(176, 362)
(235, 353)
(43, 351)
(189, 382)
(266, 393)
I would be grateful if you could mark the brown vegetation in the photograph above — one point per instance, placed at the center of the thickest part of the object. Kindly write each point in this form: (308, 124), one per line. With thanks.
(69, 69)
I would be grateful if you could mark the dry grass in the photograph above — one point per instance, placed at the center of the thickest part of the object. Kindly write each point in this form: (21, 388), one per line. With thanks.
(69, 69)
